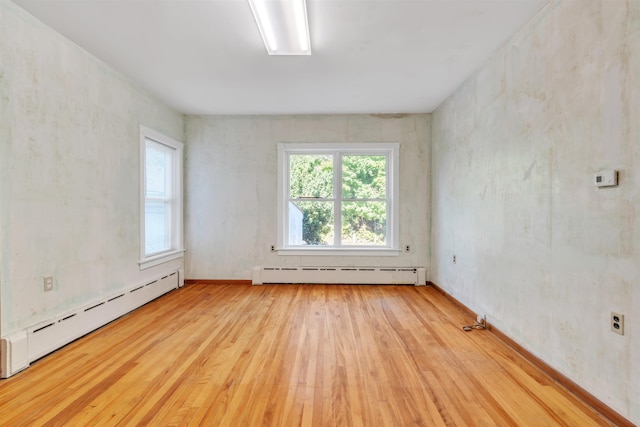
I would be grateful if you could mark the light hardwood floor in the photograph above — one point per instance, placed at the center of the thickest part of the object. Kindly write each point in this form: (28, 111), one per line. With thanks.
(288, 355)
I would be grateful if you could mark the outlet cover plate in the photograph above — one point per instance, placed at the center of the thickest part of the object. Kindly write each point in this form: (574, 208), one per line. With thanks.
(48, 283)
(617, 323)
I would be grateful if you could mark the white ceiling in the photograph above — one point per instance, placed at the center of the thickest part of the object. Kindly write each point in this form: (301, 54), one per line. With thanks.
(369, 56)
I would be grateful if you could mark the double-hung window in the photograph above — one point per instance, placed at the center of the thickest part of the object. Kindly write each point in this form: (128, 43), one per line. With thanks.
(161, 198)
(338, 199)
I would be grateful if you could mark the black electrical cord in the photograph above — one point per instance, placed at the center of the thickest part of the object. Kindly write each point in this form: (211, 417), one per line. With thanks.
(474, 326)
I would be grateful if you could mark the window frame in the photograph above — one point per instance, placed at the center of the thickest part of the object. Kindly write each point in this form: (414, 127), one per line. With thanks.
(176, 249)
(389, 149)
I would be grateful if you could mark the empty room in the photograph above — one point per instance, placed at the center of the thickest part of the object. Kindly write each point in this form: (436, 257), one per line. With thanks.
(319, 212)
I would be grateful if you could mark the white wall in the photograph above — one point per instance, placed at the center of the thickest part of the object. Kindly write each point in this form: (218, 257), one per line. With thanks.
(69, 172)
(540, 250)
(231, 174)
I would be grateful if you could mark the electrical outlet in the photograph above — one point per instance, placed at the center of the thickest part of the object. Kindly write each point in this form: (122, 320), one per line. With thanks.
(407, 248)
(617, 323)
(273, 248)
(481, 319)
(454, 259)
(48, 283)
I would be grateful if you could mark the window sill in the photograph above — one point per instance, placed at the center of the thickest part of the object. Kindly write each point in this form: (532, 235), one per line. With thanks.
(160, 259)
(340, 252)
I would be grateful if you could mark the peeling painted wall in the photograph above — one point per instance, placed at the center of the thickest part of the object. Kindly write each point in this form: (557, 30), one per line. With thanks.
(542, 251)
(69, 170)
(231, 181)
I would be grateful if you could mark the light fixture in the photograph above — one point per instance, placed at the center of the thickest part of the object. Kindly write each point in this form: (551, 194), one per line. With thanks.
(283, 26)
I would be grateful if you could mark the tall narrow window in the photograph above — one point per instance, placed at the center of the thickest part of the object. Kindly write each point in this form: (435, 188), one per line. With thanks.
(338, 198)
(161, 198)
(158, 198)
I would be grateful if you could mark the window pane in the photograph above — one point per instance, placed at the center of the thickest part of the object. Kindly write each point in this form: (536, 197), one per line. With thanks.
(156, 171)
(311, 223)
(364, 177)
(310, 176)
(157, 229)
(158, 203)
(364, 223)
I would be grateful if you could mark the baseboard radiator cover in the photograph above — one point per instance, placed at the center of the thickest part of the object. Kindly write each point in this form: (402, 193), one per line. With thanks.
(343, 275)
(23, 347)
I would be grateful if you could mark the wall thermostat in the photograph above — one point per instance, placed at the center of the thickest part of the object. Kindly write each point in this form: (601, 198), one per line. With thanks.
(607, 178)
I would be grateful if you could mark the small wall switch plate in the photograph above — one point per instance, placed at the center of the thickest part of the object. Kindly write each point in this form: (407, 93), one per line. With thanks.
(606, 178)
(48, 283)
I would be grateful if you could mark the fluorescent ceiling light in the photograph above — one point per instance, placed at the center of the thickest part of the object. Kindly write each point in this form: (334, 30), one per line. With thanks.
(283, 26)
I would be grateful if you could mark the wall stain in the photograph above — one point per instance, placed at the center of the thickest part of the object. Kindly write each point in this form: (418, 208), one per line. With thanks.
(390, 116)
(527, 173)
(484, 192)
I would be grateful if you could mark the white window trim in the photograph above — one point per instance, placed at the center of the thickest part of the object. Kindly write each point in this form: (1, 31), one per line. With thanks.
(177, 239)
(392, 149)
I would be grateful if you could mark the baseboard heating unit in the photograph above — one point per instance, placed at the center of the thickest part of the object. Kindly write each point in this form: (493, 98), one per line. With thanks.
(21, 348)
(343, 275)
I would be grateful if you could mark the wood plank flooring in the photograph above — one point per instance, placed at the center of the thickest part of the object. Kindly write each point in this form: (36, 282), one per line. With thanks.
(290, 355)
